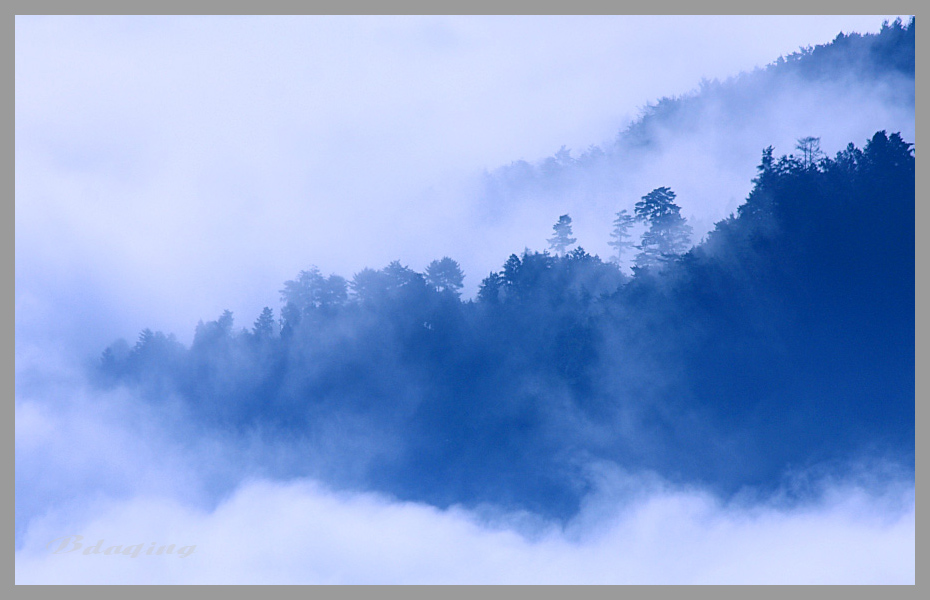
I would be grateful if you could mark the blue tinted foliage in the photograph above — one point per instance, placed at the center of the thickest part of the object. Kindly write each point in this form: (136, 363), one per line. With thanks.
(785, 339)
(880, 61)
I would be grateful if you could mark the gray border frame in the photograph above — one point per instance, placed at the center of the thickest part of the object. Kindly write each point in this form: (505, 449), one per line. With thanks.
(473, 7)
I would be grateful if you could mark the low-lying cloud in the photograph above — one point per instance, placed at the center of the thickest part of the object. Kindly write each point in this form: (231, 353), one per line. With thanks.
(299, 532)
(104, 467)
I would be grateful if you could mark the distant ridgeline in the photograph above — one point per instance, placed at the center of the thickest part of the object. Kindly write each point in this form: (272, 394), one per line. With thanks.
(863, 61)
(784, 340)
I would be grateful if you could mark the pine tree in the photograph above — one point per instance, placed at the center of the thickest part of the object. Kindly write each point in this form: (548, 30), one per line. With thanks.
(445, 276)
(264, 325)
(145, 339)
(312, 290)
(225, 323)
(621, 234)
(562, 239)
(490, 289)
(668, 235)
(658, 202)
(809, 147)
(511, 271)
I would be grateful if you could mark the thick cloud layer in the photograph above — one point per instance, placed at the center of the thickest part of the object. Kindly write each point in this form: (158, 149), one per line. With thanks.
(300, 533)
(142, 486)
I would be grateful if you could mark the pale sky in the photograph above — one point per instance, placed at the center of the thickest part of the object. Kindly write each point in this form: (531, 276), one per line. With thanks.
(170, 167)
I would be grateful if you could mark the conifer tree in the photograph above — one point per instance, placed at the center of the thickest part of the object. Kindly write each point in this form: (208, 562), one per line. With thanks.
(809, 147)
(562, 239)
(621, 234)
(264, 325)
(669, 234)
(445, 276)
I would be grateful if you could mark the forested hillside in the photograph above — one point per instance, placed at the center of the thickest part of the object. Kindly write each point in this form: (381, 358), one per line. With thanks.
(841, 91)
(784, 339)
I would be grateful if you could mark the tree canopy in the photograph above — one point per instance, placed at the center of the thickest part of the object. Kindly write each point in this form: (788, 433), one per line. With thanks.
(562, 238)
(795, 312)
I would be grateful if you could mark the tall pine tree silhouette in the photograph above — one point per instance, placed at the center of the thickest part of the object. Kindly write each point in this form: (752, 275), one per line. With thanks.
(562, 239)
(669, 234)
(621, 234)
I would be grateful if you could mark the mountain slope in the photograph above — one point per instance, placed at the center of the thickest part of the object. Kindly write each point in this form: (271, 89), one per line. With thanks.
(783, 341)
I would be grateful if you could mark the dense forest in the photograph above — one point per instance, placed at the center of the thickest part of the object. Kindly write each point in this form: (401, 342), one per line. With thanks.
(784, 339)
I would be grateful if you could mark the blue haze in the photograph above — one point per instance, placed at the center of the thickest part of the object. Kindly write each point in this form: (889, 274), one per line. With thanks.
(773, 351)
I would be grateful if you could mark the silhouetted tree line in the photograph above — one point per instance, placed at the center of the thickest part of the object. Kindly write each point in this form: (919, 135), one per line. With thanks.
(786, 336)
(872, 59)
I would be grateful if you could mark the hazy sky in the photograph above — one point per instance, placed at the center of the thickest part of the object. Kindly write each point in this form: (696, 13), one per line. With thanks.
(170, 167)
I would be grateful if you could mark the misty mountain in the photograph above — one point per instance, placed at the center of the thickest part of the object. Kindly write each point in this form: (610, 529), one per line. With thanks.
(785, 339)
(840, 91)
(447, 299)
